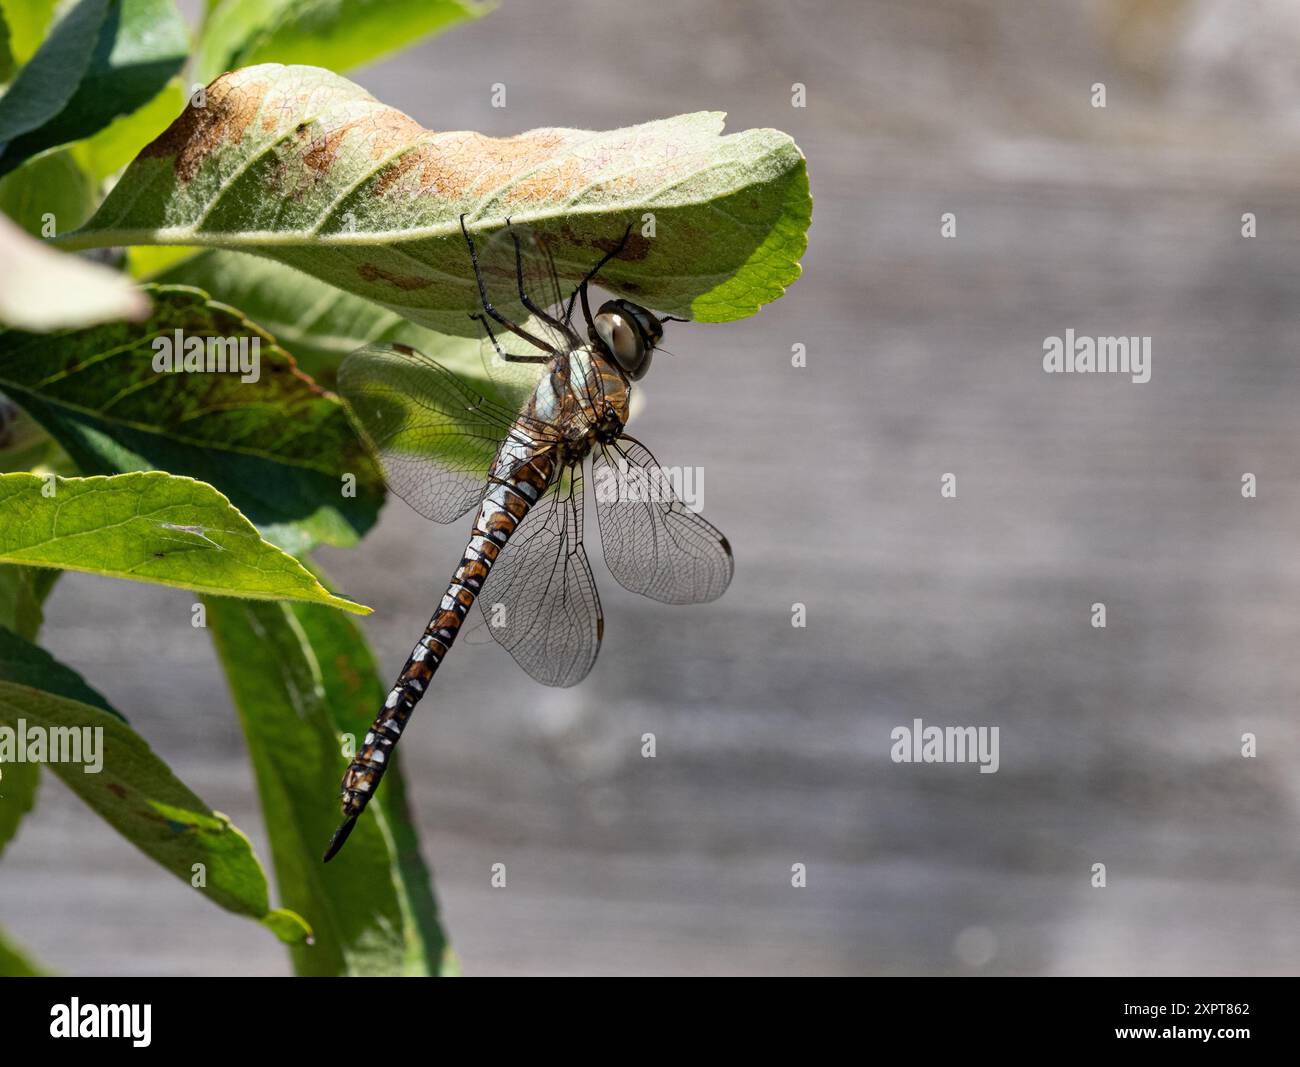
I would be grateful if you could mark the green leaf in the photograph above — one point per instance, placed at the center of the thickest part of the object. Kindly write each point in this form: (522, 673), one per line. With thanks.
(18, 782)
(38, 281)
(316, 322)
(139, 46)
(287, 666)
(22, 596)
(7, 64)
(24, 446)
(22, 593)
(26, 21)
(14, 963)
(304, 167)
(137, 794)
(48, 82)
(113, 147)
(353, 694)
(277, 446)
(338, 34)
(147, 262)
(51, 184)
(24, 663)
(149, 527)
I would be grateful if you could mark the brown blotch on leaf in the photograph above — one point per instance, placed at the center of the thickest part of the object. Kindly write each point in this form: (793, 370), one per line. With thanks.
(389, 130)
(459, 166)
(397, 168)
(407, 282)
(199, 131)
(379, 134)
(637, 247)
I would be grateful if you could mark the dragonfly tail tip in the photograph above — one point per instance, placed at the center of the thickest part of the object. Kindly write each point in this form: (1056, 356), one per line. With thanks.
(340, 836)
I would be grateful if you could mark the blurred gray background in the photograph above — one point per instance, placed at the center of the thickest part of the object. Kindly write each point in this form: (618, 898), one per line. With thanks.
(1119, 746)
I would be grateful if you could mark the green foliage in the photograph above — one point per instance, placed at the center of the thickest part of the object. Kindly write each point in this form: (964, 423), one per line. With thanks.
(202, 481)
(304, 167)
(25, 21)
(338, 34)
(149, 527)
(66, 92)
(7, 61)
(18, 782)
(277, 446)
(136, 794)
(316, 322)
(24, 663)
(14, 962)
(113, 147)
(51, 184)
(45, 85)
(22, 593)
(300, 677)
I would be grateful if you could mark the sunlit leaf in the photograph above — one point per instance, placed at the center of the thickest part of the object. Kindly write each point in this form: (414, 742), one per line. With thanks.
(26, 21)
(338, 34)
(261, 432)
(302, 166)
(126, 784)
(50, 189)
(287, 667)
(137, 47)
(149, 527)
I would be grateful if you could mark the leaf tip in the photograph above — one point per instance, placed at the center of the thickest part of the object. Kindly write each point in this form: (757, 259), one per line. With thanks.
(288, 926)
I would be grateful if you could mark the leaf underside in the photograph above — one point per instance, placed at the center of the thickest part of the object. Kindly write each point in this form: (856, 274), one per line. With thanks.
(304, 167)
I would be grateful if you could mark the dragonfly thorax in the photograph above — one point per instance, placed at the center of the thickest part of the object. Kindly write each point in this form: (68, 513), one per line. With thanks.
(608, 429)
(600, 395)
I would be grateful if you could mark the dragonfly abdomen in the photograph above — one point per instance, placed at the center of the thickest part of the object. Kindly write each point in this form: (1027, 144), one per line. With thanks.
(504, 506)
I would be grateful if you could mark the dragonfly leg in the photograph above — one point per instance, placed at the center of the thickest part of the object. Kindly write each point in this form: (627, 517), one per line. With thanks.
(591, 274)
(504, 354)
(536, 342)
(527, 301)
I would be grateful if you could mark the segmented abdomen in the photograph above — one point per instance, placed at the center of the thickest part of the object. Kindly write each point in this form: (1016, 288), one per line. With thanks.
(504, 505)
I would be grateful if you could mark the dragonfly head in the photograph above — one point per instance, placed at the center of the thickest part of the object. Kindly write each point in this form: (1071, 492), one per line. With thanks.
(629, 333)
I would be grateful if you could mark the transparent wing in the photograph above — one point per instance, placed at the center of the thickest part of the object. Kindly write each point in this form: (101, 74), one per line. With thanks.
(435, 436)
(540, 600)
(521, 284)
(654, 544)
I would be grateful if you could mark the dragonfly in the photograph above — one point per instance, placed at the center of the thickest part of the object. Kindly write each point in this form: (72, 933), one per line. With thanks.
(447, 449)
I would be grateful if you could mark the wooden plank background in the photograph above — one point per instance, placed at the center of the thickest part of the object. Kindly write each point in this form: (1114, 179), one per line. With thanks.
(924, 356)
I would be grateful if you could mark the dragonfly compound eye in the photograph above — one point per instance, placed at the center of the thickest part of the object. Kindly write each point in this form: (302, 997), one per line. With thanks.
(622, 340)
(629, 334)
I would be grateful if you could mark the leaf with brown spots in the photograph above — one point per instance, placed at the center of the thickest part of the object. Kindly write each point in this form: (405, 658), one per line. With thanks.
(304, 167)
(260, 431)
